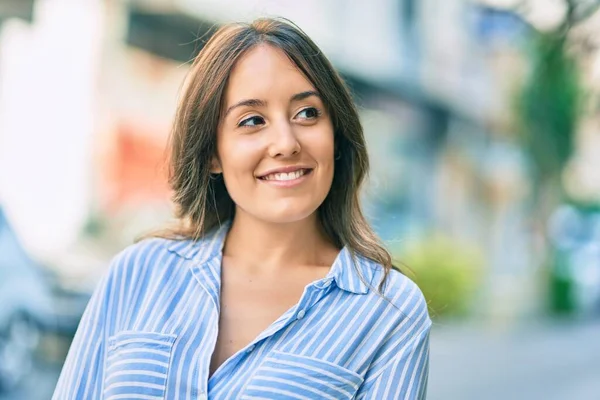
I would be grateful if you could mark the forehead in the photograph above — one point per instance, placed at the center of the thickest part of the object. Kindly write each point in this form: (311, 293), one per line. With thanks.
(265, 71)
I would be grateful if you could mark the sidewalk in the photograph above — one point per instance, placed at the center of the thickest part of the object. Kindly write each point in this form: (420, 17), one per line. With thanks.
(549, 361)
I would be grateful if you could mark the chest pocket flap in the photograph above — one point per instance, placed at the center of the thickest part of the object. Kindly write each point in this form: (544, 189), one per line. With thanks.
(290, 376)
(137, 365)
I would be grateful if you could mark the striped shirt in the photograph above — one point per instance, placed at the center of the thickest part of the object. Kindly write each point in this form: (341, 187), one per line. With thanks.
(151, 326)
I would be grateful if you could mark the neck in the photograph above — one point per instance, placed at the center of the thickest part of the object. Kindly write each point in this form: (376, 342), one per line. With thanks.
(273, 245)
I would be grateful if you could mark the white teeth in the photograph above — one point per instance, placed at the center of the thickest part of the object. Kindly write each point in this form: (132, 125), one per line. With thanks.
(284, 176)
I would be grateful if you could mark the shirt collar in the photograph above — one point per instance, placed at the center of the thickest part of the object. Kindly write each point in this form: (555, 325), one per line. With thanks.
(350, 271)
(204, 249)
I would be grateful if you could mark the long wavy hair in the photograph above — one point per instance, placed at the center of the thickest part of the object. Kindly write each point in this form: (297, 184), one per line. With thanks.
(201, 199)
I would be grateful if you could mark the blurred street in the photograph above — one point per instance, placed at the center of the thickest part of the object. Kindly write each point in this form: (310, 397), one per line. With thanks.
(39, 386)
(545, 361)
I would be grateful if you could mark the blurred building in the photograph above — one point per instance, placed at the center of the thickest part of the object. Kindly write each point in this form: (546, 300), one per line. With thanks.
(88, 93)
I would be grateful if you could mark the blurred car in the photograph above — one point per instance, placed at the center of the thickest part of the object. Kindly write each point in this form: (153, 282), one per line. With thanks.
(574, 234)
(33, 305)
(26, 308)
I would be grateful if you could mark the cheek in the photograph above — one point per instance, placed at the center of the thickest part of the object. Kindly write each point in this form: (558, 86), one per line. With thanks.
(238, 157)
(323, 148)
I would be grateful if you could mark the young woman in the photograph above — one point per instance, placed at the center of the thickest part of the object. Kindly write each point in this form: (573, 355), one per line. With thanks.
(274, 286)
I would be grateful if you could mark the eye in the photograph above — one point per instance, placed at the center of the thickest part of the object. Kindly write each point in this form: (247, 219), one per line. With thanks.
(252, 121)
(308, 113)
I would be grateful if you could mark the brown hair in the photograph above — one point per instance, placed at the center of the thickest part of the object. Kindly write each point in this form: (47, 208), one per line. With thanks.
(201, 199)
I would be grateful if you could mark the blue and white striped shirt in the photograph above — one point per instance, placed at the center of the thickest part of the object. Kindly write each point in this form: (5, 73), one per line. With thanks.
(150, 329)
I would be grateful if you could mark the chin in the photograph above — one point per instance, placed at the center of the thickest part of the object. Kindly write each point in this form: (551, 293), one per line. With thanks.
(286, 215)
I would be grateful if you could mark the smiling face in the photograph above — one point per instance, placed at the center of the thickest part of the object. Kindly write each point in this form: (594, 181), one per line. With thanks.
(275, 142)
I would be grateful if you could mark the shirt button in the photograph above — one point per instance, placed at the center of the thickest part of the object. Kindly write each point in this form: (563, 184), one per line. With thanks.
(202, 396)
(301, 314)
(250, 349)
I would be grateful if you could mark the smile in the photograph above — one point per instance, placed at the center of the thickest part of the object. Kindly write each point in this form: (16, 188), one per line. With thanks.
(287, 178)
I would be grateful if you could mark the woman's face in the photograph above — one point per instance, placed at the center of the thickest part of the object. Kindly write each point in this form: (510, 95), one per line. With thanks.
(275, 140)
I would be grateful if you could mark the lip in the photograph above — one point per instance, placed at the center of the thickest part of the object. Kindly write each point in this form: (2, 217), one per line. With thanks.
(289, 183)
(289, 168)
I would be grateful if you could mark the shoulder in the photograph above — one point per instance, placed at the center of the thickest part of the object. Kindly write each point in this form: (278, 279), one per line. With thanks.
(139, 254)
(399, 292)
(160, 257)
(403, 321)
(146, 261)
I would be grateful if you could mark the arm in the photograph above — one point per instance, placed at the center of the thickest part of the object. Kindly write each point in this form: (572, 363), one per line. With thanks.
(82, 372)
(405, 376)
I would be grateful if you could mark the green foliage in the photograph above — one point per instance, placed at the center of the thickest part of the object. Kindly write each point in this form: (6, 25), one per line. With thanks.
(447, 271)
(549, 105)
(561, 299)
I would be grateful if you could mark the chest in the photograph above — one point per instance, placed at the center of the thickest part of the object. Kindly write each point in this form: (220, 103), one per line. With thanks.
(249, 305)
(249, 308)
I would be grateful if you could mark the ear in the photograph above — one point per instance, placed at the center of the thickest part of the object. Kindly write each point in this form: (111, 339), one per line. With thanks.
(215, 166)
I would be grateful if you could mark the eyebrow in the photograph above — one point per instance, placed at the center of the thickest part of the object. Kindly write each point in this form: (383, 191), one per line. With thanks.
(261, 103)
(304, 95)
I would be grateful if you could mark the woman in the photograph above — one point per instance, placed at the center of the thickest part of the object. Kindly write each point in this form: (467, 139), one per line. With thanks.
(274, 286)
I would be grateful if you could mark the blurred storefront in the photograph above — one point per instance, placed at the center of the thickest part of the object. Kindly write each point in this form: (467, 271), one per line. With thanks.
(47, 103)
(433, 81)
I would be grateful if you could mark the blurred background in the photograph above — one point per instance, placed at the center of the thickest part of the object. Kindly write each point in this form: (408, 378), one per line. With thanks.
(483, 127)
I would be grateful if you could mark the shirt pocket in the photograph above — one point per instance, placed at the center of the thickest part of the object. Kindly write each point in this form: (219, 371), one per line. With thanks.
(285, 376)
(137, 365)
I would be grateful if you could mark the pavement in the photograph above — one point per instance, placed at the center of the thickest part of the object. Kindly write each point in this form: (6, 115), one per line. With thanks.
(549, 361)
(546, 361)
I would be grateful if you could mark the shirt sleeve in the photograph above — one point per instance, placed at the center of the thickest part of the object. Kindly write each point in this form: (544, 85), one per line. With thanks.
(405, 376)
(82, 372)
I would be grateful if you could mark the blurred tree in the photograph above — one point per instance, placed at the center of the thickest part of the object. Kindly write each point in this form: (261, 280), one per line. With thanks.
(550, 102)
(549, 107)
(548, 110)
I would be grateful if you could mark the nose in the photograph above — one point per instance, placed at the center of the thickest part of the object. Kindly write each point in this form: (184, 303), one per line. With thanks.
(284, 142)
